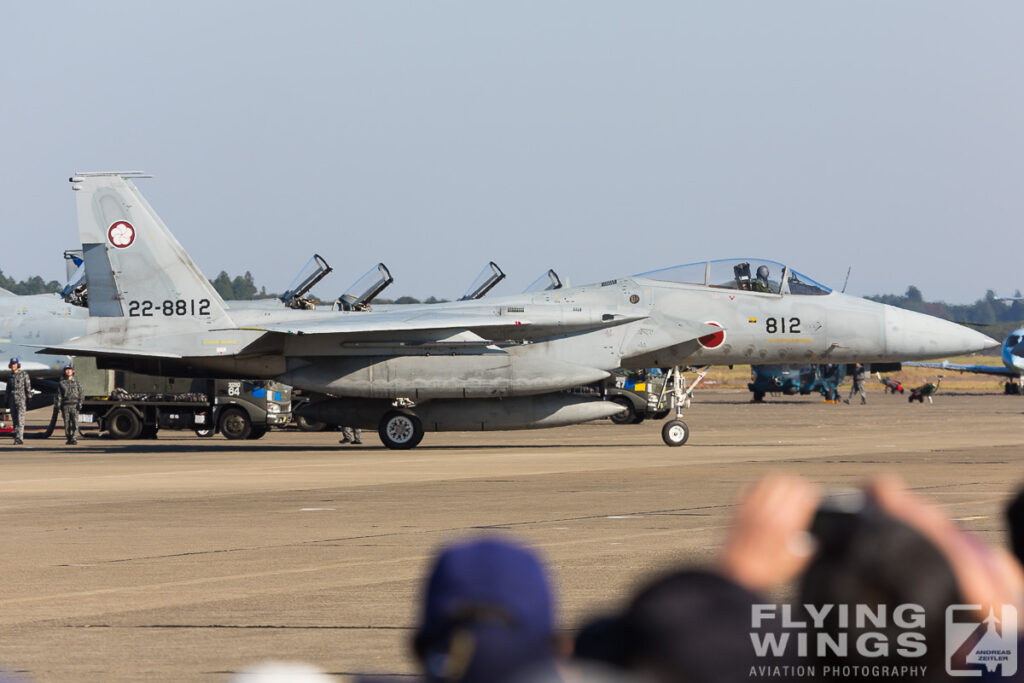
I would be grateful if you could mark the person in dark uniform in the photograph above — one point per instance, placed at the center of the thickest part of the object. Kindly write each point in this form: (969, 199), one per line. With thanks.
(69, 400)
(760, 282)
(351, 434)
(19, 389)
(858, 384)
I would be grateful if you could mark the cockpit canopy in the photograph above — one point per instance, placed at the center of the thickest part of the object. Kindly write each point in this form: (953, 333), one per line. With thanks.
(751, 275)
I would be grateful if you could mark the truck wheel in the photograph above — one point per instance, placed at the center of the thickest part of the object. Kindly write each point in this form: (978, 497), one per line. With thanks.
(235, 424)
(660, 415)
(400, 431)
(675, 433)
(258, 432)
(308, 426)
(123, 423)
(626, 417)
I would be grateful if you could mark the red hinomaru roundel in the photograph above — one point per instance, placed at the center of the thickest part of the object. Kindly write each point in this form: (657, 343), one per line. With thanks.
(121, 234)
(713, 340)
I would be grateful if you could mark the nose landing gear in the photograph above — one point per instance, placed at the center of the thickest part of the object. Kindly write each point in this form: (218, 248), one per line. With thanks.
(675, 432)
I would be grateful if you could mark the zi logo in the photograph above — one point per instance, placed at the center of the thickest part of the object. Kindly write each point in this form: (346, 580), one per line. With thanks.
(974, 647)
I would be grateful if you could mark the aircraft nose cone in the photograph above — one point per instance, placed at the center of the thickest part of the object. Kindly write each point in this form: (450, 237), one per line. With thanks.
(914, 336)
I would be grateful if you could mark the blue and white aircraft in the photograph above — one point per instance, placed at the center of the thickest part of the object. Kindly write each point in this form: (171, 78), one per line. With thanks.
(1012, 352)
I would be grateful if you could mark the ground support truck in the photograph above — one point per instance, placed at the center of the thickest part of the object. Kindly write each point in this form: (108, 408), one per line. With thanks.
(128, 405)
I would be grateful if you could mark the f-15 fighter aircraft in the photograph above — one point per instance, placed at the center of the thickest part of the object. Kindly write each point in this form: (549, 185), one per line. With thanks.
(493, 364)
(26, 322)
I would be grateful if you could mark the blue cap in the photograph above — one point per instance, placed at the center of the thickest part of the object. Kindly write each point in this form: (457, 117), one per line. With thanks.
(494, 594)
(14, 361)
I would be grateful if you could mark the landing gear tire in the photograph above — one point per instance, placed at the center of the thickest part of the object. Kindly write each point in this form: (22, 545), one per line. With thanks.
(400, 430)
(626, 417)
(675, 433)
(258, 432)
(123, 423)
(235, 424)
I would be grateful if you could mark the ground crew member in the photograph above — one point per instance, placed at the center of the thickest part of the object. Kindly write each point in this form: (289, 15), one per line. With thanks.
(69, 399)
(353, 434)
(858, 384)
(19, 390)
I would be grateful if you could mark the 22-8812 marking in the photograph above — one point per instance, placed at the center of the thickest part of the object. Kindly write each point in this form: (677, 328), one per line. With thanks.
(168, 308)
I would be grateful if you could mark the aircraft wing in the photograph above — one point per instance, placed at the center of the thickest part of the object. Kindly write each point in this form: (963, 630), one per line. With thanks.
(401, 324)
(392, 329)
(1000, 370)
(4, 292)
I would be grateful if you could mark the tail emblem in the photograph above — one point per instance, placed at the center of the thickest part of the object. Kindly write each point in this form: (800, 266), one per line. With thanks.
(121, 234)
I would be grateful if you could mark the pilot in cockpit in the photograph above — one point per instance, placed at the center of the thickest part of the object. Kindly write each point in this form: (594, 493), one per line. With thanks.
(760, 282)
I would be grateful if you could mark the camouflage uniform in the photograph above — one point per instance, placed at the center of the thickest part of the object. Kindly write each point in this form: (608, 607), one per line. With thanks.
(69, 399)
(19, 388)
(857, 375)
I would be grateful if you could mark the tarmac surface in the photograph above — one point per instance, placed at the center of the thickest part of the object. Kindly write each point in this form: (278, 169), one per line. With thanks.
(187, 558)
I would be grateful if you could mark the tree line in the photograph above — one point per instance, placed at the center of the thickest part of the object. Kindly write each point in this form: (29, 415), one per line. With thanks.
(33, 285)
(244, 287)
(984, 311)
(229, 288)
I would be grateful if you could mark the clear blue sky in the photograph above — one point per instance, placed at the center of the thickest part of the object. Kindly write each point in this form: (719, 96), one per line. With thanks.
(597, 138)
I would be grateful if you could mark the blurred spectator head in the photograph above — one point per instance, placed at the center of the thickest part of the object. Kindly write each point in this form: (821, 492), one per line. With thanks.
(1015, 521)
(603, 640)
(487, 614)
(867, 557)
(691, 626)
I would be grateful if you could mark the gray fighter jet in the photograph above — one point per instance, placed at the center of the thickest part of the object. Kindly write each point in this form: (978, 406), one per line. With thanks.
(502, 363)
(26, 322)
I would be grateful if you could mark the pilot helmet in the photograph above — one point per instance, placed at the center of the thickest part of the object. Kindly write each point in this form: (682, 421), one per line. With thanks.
(762, 272)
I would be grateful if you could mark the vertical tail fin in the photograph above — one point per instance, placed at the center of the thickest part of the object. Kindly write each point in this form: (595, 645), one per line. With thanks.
(134, 266)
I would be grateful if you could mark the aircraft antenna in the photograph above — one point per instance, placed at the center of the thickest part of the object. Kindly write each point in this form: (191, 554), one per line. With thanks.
(847, 280)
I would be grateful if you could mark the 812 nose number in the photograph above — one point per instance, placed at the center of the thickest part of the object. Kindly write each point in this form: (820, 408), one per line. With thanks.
(168, 307)
(782, 325)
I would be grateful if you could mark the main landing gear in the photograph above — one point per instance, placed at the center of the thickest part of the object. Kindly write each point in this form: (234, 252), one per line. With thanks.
(675, 432)
(400, 429)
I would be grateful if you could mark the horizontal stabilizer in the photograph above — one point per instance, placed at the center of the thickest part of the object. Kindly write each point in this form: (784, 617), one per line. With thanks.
(87, 349)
